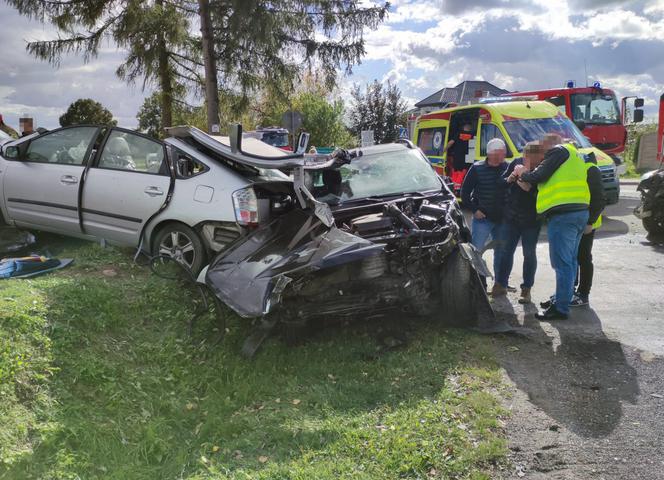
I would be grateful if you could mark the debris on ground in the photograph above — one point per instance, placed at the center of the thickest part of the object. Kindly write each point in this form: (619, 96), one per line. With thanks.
(13, 240)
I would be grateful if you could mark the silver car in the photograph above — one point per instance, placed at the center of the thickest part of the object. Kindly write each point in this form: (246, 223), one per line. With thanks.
(186, 197)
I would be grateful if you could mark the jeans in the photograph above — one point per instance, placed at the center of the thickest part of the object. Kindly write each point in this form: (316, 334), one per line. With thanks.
(482, 229)
(510, 234)
(565, 231)
(584, 279)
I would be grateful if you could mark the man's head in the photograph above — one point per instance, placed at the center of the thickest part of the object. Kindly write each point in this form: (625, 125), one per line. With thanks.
(495, 152)
(533, 154)
(550, 140)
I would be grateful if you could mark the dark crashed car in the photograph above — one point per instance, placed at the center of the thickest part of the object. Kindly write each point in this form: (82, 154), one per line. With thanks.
(357, 235)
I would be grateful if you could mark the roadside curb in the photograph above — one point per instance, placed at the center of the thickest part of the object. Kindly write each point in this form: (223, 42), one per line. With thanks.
(629, 181)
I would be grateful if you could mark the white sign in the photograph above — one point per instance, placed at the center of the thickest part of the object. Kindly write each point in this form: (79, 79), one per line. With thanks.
(367, 137)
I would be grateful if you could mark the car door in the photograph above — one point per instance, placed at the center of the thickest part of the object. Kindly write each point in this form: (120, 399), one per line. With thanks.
(41, 187)
(127, 183)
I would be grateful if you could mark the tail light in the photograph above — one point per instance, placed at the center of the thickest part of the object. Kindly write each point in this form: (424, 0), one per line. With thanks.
(245, 204)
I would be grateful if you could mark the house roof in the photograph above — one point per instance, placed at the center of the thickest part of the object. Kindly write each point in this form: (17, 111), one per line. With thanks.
(465, 91)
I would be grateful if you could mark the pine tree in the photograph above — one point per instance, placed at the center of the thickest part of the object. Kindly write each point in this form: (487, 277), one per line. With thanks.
(155, 33)
(253, 43)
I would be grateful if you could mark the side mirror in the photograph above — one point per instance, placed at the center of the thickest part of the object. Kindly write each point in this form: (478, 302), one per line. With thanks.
(11, 152)
(637, 115)
(638, 103)
(580, 124)
(302, 142)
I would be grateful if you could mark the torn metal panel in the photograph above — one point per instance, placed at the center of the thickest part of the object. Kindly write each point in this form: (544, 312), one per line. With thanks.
(251, 275)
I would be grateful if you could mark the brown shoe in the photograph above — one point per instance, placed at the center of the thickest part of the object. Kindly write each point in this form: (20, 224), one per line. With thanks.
(525, 296)
(498, 290)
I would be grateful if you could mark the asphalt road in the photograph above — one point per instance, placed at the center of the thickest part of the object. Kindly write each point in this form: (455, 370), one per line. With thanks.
(587, 394)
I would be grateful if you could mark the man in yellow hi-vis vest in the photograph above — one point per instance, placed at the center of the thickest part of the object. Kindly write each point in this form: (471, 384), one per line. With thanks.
(564, 198)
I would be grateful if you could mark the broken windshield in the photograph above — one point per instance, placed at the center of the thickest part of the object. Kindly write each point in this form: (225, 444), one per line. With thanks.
(525, 131)
(376, 175)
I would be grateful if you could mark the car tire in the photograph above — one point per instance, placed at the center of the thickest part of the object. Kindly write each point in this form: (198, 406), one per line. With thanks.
(457, 291)
(181, 242)
(653, 227)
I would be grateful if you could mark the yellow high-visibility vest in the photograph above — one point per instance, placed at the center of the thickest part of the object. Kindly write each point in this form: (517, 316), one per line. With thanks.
(598, 222)
(567, 186)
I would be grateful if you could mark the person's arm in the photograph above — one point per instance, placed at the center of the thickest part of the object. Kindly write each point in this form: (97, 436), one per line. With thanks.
(553, 159)
(505, 178)
(467, 187)
(597, 202)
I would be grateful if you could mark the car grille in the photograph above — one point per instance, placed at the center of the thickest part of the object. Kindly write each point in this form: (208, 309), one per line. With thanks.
(606, 146)
(608, 173)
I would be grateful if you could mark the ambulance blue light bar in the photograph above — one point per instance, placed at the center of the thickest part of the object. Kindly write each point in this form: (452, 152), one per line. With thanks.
(514, 98)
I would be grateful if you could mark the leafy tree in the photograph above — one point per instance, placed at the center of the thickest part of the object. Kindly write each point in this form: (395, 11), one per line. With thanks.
(87, 111)
(322, 111)
(155, 34)
(250, 43)
(378, 108)
(323, 120)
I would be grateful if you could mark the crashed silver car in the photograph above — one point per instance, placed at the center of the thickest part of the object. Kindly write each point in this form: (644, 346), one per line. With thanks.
(178, 198)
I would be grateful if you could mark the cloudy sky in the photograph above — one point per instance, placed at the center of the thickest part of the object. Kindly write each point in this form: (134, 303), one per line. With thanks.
(424, 45)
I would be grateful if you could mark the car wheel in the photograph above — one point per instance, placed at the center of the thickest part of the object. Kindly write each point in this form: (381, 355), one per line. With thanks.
(183, 244)
(457, 291)
(652, 226)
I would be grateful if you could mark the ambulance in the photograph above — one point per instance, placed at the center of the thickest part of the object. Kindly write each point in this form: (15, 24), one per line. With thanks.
(516, 120)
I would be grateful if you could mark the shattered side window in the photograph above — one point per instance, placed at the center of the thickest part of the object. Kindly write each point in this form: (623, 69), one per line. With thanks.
(377, 175)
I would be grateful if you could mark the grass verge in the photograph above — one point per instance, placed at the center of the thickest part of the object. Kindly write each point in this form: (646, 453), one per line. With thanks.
(99, 380)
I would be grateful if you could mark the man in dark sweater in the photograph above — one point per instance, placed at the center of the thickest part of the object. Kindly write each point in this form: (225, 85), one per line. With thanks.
(483, 192)
(567, 219)
(521, 222)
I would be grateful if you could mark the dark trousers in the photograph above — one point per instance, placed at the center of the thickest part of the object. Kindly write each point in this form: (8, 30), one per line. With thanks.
(510, 234)
(584, 277)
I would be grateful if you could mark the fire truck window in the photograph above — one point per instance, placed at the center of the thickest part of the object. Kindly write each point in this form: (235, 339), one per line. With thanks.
(489, 132)
(432, 141)
(595, 108)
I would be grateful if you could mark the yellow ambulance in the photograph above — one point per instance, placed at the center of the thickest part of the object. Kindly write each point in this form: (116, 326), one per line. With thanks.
(512, 119)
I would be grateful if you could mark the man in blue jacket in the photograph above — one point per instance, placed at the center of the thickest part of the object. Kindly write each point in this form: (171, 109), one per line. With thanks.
(483, 192)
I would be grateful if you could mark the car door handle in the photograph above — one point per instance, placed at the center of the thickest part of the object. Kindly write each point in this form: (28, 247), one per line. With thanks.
(153, 191)
(68, 179)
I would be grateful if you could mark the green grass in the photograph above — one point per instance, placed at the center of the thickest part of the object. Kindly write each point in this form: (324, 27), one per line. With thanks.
(99, 380)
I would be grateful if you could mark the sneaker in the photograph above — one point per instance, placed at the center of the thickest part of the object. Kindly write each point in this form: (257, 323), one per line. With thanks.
(547, 304)
(510, 288)
(498, 290)
(551, 313)
(525, 296)
(579, 301)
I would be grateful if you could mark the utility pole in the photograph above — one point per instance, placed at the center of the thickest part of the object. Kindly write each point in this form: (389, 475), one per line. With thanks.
(211, 82)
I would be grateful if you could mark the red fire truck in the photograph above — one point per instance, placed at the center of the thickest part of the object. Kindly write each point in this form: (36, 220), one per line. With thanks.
(596, 112)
